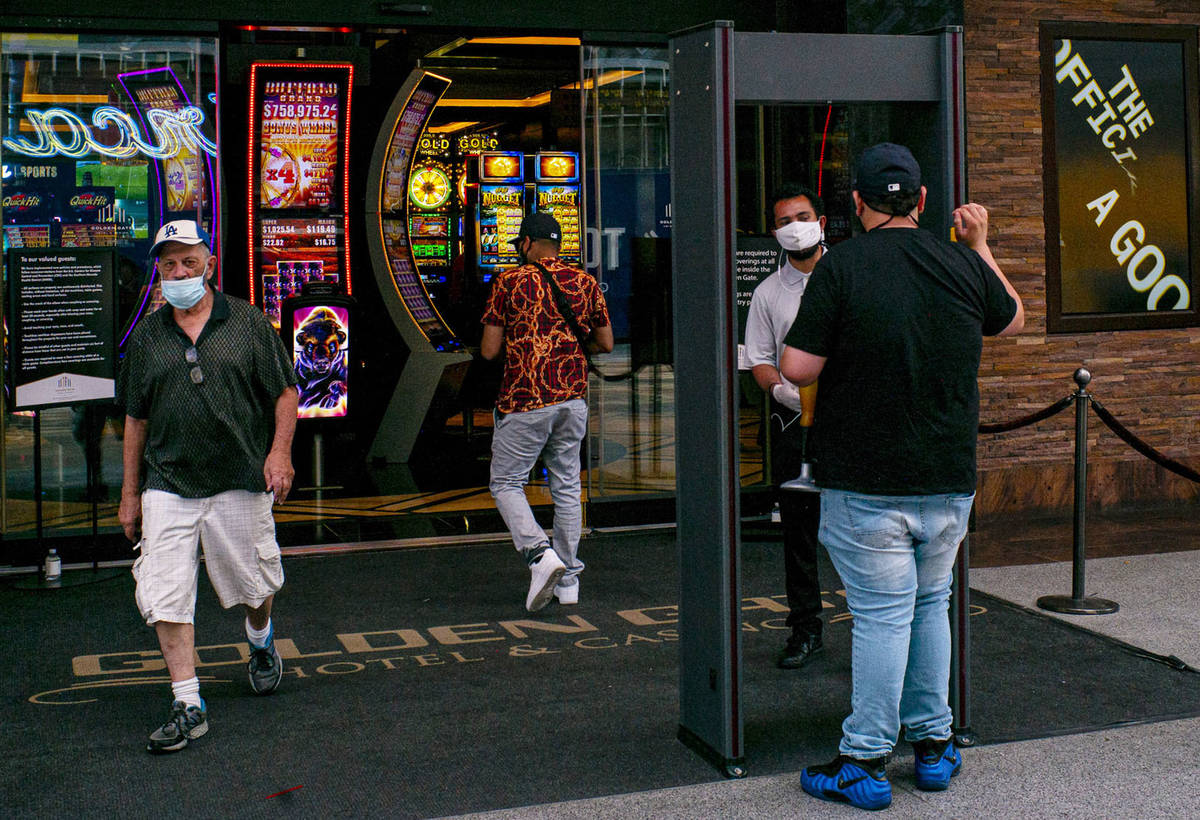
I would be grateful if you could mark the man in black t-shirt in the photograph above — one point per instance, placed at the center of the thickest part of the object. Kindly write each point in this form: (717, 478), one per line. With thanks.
(210, 403)
(893, 325)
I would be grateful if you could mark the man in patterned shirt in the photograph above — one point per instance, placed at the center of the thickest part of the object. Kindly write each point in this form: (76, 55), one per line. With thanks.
(210, 403)
(541, 410)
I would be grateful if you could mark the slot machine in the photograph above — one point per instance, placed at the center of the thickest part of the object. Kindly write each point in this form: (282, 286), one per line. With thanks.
(299, 156)
(433, 213)
(317, 326)
(81, 223)
(436, 360)
(499, 210)
(316, 329)
(26, 214)
(556, 191)
(184, 184)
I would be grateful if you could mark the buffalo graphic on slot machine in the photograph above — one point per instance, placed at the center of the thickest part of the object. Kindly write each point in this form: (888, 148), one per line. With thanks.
(320, 349)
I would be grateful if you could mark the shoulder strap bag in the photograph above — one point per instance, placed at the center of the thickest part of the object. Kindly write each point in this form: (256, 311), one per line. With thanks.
(568, 315)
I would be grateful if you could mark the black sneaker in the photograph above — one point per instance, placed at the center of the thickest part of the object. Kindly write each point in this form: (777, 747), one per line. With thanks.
(186, 723)
(265, 667)
(799, 650)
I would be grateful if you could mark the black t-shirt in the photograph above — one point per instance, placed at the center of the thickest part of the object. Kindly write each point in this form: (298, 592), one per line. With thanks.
(899, 315)
(209, 437)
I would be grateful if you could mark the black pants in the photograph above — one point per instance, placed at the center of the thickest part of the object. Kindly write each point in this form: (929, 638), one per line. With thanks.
(800, 514)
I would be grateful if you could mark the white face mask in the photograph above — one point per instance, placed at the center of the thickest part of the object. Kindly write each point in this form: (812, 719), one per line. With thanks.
(799, 236)
(183, 293)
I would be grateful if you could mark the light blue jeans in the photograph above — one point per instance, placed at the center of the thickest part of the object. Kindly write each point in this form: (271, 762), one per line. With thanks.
(895, 555)
(554, 433)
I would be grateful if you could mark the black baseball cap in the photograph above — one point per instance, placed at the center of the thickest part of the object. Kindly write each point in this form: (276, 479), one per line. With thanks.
(885, 169)
(538, 225)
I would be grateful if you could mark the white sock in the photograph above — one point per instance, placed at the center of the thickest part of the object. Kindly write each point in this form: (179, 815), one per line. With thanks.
(187, 691)
(258, 637)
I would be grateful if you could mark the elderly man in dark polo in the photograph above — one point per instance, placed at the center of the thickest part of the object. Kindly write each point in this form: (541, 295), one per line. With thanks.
(210, 402)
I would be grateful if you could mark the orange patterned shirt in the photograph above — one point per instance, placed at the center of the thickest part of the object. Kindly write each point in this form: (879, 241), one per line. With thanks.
(543, 362)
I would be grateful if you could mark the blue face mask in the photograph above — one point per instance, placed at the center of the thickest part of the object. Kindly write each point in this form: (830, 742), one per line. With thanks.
(183, 293)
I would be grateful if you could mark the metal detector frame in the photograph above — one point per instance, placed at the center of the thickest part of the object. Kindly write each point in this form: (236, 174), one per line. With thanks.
(712, 69)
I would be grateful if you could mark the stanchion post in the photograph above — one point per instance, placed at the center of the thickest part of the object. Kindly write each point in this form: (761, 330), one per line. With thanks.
(1077, 603)
(37, 477)
(318, 461)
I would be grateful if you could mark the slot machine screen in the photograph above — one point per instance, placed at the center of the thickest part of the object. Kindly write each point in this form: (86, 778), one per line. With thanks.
(299, 144)
(183, 184)
(430, 186)
(431, 192)
(404, 232)
(26, 218)
(430, 239)
(434, 226)
(296, 251)
(184, 176)
(554, 168)
(501, 208)
(83, 224)
(556, 191)
(408, 283)
(501, 166)
(299, 157)
(187, 176)
(320, 356)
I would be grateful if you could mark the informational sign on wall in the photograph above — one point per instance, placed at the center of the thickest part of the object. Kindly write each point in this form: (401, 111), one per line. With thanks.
(757, 258)
(62, 326)
(1120, 244)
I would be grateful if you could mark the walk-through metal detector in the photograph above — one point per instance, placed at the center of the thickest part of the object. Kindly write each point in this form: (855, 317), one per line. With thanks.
(712, 68)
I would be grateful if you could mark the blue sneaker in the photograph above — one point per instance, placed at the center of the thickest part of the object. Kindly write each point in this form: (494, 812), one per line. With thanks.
(861, 783)
(936, 761)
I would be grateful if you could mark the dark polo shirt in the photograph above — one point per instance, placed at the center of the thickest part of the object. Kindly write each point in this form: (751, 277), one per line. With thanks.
(207, 438)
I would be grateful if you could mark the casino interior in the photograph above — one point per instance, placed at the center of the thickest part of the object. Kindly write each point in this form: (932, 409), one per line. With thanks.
(361, 171)
(360, 184)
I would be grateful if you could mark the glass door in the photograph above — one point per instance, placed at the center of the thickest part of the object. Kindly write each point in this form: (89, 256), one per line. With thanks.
(630, 458)
(103, 138)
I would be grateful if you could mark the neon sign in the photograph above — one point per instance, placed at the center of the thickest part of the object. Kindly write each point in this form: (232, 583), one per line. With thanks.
(174, 132)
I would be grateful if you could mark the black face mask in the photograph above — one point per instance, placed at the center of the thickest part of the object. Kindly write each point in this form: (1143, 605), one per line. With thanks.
(807, 253)
(893, 216)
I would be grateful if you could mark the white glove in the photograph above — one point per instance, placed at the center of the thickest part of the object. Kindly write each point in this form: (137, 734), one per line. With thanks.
(788, 395)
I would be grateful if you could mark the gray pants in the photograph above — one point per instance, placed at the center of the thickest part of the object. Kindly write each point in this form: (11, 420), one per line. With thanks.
(554, 433)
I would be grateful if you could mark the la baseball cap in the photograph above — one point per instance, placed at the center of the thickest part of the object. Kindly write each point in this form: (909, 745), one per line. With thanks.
(183, 231)
(538, 225)
(887, 168)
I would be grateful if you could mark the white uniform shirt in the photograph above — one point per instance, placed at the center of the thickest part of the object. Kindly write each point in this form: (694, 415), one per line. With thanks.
(772, 310)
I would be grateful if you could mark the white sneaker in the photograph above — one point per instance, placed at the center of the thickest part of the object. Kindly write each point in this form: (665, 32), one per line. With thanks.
(544, 572)
(567, 595)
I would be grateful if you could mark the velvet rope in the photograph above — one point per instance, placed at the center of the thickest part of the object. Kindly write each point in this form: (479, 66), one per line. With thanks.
(1025, 421)
(1142, 447)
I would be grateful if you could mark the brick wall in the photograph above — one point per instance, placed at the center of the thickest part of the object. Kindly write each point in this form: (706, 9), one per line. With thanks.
(1149, 380)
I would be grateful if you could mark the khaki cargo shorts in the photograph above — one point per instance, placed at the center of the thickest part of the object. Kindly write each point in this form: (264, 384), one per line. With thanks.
(237, 533)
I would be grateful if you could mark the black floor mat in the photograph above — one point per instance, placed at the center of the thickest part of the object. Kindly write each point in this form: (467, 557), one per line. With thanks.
(417, 686)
